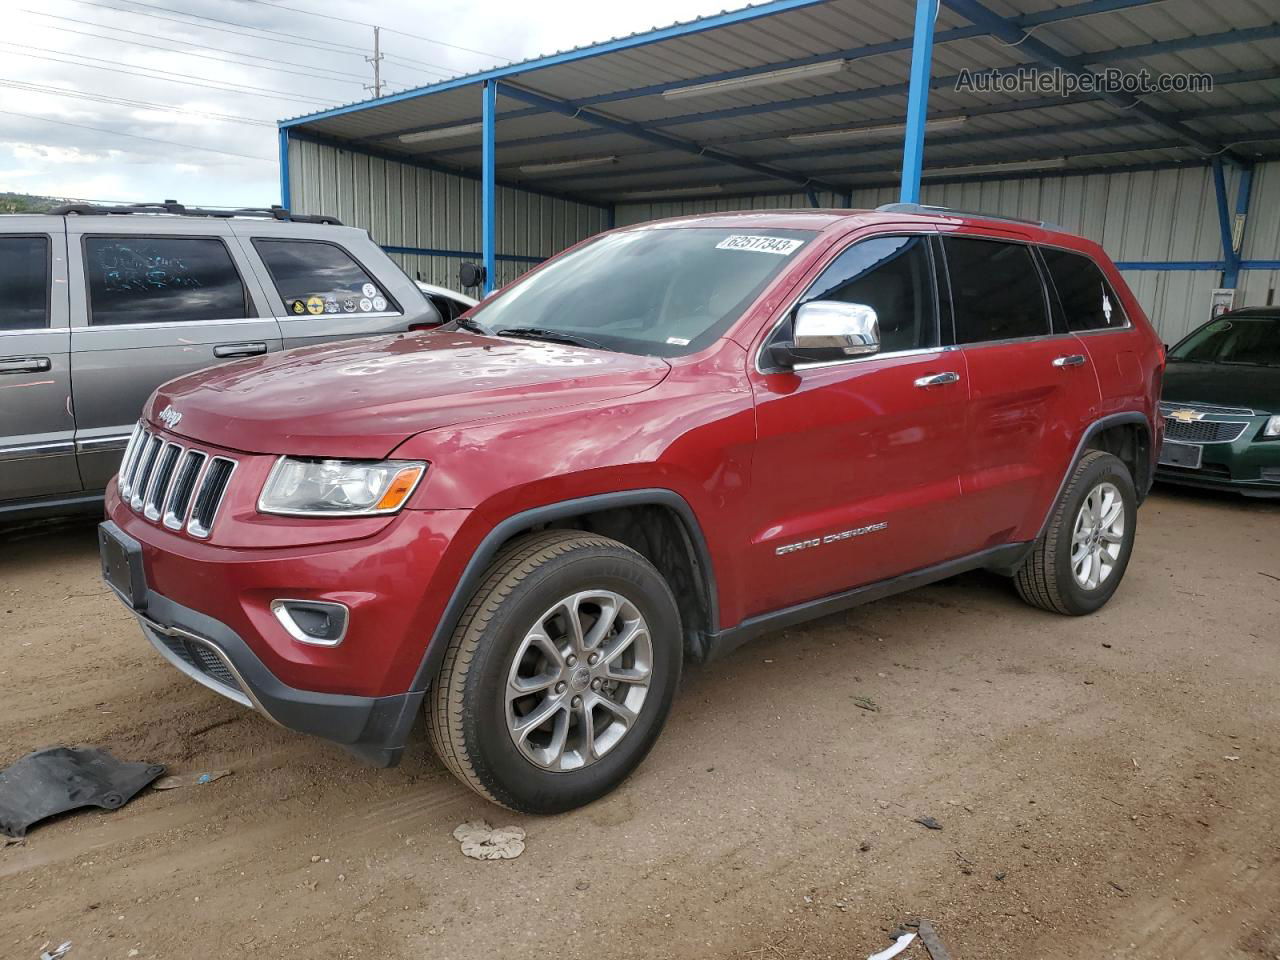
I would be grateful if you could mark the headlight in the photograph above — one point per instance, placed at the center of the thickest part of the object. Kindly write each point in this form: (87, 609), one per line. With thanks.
(1272, 429)
(339, 488)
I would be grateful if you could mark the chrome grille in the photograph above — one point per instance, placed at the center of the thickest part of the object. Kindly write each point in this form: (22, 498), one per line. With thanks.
(1204, 431)
(171, 484)
(1167, 406)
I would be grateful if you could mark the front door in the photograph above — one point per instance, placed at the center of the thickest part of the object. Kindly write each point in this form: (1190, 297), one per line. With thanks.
(158, 300)
(37, 429)
(855, 472)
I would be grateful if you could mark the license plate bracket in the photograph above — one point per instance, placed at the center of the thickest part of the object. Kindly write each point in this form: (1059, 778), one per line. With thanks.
(121, 557)
(1174, 453)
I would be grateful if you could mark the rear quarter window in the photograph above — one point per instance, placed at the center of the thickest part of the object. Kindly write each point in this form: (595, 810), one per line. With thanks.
(1086, 298)
(316, 277)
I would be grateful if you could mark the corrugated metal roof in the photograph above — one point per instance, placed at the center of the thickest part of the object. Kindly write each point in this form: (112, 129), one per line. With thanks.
(1237, 41)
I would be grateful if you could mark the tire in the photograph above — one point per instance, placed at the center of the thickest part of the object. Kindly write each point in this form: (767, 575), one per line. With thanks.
(1051, 578)
(472, 710)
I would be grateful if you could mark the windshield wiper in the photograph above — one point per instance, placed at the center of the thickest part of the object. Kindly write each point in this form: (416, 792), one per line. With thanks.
(551, 336)
(475, 326)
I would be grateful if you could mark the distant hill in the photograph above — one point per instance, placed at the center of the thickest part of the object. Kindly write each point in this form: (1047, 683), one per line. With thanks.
(25, 203)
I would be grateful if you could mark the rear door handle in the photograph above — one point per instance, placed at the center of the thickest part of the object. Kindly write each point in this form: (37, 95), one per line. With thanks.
(938, 379)
(239, 349)
(25, 364)
(1074, 360)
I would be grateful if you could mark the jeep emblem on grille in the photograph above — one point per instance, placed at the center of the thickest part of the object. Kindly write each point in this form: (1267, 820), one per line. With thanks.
(170, 416)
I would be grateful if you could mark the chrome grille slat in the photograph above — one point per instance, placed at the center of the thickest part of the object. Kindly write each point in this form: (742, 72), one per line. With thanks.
(213, 485)
(179, 487)
(178, 503)
(129, 451)
(1167, 406)
(145, 465)
(161, 481)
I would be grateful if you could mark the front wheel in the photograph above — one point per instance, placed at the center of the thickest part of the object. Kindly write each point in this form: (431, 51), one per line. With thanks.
(560, 674)
(1079, 560)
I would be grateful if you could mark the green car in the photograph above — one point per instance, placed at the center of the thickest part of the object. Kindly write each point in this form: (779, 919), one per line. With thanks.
(1221, 405)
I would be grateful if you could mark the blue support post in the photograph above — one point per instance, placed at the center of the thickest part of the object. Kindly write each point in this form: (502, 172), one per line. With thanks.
(918, 100)
(488, 218)
(812, 196)
(1235, 255)
(284, 168)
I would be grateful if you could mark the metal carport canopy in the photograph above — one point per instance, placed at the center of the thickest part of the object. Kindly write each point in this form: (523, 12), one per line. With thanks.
(812, 95)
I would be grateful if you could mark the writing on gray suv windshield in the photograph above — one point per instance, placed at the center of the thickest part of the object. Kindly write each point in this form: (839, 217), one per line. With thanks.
(661, 292)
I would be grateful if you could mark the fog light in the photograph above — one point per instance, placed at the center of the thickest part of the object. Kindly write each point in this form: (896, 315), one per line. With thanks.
(312, 621)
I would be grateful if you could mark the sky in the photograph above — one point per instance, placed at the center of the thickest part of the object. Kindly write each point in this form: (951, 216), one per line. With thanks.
(133, 100)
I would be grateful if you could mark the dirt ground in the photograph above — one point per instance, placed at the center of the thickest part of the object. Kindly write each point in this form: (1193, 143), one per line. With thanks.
(1107, 787)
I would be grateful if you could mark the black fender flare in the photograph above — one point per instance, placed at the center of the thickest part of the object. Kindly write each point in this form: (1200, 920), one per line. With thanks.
(479, 562)
(1143, 484)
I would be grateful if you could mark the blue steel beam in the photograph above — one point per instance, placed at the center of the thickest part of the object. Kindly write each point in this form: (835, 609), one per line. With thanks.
(1235, 254)
(1037, 50)
(285, 193)
(1072, 12)
(488, 190)
(1224, 215)
(918, 100)
(672, 143)
(1225, 38)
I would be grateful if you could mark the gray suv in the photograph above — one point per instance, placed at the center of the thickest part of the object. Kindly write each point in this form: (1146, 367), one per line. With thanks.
(100, 305)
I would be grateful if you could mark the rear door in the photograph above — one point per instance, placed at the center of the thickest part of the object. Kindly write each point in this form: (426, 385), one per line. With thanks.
(332, 283)
(1031, 392)
(155, 298)
(37, 427)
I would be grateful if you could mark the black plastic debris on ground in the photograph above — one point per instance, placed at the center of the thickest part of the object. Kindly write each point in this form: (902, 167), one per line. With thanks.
(53, 781)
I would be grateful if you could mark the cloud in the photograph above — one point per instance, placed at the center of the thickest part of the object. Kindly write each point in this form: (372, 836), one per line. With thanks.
(313, 63)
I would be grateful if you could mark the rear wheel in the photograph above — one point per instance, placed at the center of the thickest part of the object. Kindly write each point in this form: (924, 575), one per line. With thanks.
(560, 674)
(1079, 560)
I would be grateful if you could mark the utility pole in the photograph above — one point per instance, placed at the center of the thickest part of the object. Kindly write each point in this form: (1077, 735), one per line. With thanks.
(376, 61)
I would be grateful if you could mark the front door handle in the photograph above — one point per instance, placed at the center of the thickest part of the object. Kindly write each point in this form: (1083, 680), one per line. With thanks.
(239, 349)
(938, 379)
(1074, 360)
(25, 364)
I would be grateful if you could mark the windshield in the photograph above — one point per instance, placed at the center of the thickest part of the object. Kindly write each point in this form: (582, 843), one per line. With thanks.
(1238, 339)
(662, 292)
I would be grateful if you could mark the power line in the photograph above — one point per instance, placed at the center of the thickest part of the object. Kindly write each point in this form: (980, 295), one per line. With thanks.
(115, 68)
(361, 23)
(134, 136)
(187, 43)
(124, 101)
(292, 38)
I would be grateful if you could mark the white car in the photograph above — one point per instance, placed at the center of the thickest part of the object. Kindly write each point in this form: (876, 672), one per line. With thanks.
(449, 303)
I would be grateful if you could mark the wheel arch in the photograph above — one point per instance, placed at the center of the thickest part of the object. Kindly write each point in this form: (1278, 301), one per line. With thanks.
(1130, 434)
(674, 543)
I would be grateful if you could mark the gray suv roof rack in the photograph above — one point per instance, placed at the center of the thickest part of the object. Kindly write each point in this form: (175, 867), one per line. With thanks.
(925, 209)
(175, 208)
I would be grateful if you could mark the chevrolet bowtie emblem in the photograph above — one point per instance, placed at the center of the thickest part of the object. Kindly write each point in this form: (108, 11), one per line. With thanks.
(1186, 416)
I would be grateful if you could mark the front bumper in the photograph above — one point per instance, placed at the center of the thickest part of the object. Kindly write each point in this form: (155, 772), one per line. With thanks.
(1245, 465)
(209, 651)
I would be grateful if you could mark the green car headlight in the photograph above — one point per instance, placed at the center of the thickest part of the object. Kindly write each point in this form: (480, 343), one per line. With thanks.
(1272, 429)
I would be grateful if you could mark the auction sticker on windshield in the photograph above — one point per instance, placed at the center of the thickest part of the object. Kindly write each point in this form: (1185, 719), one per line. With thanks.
(781, 246)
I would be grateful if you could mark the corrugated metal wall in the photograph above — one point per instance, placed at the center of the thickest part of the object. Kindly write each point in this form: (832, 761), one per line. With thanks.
(1165, 215)
(406, 206)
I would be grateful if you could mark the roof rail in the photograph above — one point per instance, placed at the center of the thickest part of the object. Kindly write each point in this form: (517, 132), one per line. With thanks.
(925, 209)
(174, 208)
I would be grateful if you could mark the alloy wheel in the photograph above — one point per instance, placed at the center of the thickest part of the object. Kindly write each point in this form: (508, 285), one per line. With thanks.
(1097, 536)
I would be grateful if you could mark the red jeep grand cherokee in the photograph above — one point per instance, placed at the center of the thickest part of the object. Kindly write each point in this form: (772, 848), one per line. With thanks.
(663, 442)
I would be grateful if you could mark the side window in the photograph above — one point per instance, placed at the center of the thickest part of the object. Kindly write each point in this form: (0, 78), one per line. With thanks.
(996, 293)
(893, 276)
(24, 283)
(314, 277)
(447, 308)
(1087, 300)
(138, 279)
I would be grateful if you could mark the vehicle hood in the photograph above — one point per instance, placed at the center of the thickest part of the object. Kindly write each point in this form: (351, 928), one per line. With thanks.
(1224, 384)
(363, 398)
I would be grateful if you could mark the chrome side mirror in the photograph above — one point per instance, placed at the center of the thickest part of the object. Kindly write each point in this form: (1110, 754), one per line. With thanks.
(825, 330)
